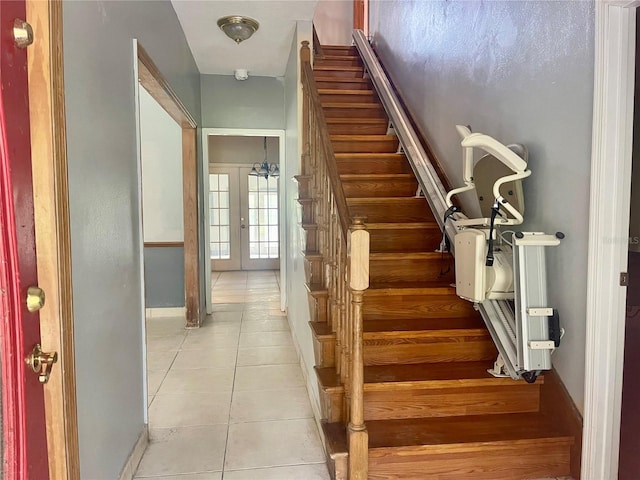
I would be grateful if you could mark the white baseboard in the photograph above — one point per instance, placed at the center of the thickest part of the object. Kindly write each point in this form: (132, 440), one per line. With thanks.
(130, 467)
(165, 312)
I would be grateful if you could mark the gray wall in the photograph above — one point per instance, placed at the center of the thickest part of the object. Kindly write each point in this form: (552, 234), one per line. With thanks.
(254, 103)
(242, 150)
(105, 225)
(521, 72)
(164, 277)
(298, 305)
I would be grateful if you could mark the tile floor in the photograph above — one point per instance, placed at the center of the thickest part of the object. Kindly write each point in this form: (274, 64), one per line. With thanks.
(228, 401)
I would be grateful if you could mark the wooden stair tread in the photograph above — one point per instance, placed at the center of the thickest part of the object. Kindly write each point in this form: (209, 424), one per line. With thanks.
(385, 200)
(412, 288)
(316, 289)
(420, 375)
(320, 78)
(363, 138)
(423, 325)
(359, 120)
(408, 256)
(338, 68)
(354, 177)
(338, 57)
(321, 330)
(402, 226)
(369, 156)
(352, 105)
(437, 434)
(344, 91)
(471, 429)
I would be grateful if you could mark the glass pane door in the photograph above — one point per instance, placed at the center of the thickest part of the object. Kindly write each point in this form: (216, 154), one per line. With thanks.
(243, 220)
(260, 240)
(223, 219)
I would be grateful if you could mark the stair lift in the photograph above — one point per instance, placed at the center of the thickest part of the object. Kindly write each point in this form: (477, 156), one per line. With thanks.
(502, 271)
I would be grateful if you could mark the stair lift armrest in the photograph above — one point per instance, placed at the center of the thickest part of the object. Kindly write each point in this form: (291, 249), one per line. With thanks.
(497, 149)
(518, 219)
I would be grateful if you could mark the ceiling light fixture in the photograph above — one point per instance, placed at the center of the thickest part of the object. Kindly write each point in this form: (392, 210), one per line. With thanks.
(237, 27)
(265, 169)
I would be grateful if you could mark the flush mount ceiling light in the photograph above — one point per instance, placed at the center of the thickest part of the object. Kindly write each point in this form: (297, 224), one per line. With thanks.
(238, 28)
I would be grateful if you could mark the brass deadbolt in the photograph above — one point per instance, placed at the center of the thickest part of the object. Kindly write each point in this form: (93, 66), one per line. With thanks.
(35, 299)
(22, 33)
(41, 362)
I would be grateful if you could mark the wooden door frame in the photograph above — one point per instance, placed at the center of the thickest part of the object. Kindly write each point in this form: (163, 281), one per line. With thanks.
(614, 69)
(284, 185)
(52, 226)
(159, 88)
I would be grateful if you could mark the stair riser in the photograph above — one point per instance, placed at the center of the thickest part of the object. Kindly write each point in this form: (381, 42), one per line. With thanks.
(307, 210)
(336, 72)
(324, 352)
(411, 270)
(343, 83)
(523, 461)
(334, 51)
(410, 211)
(331, 405)
(360, 165)
(447, 402)
(379, 145)
(373, 111)
(412, 240)
(403, 187)
(338, 62)
(416, 306)
(428, 350)
(310, 234)
(313, 269)
(348, 98)
(354, 128)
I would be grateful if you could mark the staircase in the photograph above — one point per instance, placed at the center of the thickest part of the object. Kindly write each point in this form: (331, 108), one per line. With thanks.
(430, 408)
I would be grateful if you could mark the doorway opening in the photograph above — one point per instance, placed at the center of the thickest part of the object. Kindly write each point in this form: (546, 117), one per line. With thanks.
(245, 203)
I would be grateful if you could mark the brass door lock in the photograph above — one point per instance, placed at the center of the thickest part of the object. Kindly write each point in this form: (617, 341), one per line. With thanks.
(41, 362)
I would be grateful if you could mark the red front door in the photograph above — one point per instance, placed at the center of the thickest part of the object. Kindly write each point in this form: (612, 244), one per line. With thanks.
(25, 444)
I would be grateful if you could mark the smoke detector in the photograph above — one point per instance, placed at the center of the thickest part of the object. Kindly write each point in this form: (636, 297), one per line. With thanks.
(241, 74)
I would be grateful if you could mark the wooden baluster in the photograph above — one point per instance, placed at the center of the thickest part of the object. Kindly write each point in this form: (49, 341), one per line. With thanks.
(358, 283)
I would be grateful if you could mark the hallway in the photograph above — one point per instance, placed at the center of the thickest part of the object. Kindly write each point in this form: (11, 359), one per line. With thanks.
(228, 401)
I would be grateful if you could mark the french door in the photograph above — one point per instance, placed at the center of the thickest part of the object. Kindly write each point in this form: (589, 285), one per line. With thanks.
(243, 220)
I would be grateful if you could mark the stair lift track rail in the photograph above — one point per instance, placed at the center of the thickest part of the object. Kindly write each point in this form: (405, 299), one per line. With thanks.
(422, 166)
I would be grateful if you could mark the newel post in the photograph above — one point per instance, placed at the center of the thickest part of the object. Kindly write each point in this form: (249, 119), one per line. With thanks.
(358, 249)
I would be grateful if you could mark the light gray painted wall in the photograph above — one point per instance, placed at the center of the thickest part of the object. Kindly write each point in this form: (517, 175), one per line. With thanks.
(521, 72)
(104, 196)
(254, 103)
(298, 305)
(164, 277)
(333, 20)
(242, 149)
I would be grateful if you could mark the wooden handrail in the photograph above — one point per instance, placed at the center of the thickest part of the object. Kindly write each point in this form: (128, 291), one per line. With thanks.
(311, 90)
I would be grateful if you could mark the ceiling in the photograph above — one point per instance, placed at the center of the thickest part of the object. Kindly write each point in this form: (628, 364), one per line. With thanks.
(264, 54)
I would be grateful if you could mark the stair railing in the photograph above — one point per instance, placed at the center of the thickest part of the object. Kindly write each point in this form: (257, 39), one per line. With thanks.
(343, 242)
(422, 166)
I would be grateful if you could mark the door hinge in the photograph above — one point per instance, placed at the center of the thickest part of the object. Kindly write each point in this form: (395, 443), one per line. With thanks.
(624, 279)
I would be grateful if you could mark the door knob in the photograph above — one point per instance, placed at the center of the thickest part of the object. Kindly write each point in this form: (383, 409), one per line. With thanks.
(41, 362)
(35, 299)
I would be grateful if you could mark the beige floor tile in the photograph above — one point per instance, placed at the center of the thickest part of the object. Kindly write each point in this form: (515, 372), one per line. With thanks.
(270, 444)
(315, 471)
(160, 361)
(163, 327)
(266, 356)
(267, 377)
(227, 307)
(187, 410)
(192, 476)
(154, 380)
(174, 451)
(150, 400)
(269, 324)
(206, 358)
(200, 341)
(228, 299)
(198, 380)
(222, 316)
(219, 328)
(257, 406)
(265, 339)
(165, 344)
